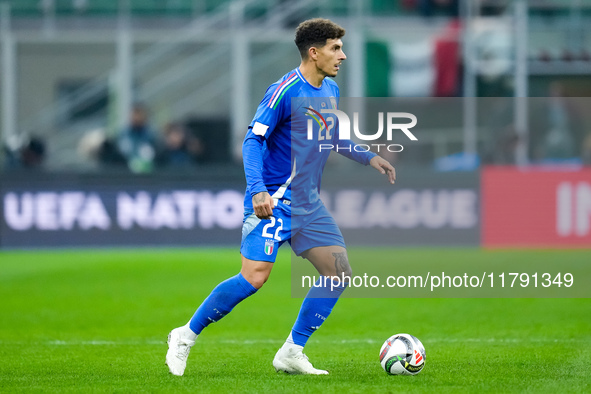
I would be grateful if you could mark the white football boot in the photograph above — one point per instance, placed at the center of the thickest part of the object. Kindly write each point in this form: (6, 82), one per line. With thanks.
(179, 346)
(292, 360)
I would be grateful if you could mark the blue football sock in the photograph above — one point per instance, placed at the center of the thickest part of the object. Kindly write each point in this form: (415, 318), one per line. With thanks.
(315, 309)
(221, 301)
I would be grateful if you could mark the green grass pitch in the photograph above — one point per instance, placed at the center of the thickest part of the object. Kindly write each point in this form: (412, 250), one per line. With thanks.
(98, 320)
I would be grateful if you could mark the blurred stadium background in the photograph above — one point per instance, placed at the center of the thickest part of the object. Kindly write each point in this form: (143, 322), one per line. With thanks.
(193, 71)
(121, 126)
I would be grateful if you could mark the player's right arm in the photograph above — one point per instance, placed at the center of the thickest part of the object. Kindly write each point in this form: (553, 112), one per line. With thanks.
(263, 205)
(265, 120)
(252, 157)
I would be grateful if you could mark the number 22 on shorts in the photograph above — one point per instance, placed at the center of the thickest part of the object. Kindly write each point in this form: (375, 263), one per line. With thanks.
(270, 225)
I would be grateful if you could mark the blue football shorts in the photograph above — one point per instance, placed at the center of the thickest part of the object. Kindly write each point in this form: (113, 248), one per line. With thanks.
(261, 238)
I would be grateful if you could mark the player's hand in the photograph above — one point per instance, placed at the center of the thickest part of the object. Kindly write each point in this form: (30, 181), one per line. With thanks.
(263, 205)
(383, 166)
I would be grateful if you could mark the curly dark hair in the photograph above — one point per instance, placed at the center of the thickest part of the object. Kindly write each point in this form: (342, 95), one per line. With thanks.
(315, 32)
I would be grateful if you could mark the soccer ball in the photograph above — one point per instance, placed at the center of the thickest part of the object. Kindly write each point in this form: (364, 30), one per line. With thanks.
(402, 354)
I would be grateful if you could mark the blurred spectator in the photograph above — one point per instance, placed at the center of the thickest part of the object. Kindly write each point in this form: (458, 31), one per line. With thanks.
(109, 155)
(557, 128)
(181, 149)
(33, 153)
(559, 141)
(95, 145)
(29, 155)
(500, 135)
(137, 142)
(505, 147)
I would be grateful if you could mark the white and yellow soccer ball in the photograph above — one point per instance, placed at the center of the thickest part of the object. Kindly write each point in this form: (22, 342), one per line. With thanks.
(402, 354)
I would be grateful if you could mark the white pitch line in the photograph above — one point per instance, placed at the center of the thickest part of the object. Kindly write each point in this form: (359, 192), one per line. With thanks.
(368, 341)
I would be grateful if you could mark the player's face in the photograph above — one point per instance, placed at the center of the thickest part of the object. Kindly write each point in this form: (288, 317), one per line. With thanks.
(330, 57)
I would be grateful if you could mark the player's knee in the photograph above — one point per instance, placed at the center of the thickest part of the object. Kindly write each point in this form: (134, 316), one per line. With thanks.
(256, 272)
(257, 279)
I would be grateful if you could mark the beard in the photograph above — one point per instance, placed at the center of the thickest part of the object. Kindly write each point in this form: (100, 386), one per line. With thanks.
(331, 73)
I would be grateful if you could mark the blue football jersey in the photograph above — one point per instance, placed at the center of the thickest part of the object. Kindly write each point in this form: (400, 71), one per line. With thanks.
(281, 150)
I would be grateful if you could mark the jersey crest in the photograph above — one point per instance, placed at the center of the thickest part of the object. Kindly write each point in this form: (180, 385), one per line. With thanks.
(269, 245)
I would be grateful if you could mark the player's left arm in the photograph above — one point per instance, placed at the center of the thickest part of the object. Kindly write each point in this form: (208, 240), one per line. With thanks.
(348, 149)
